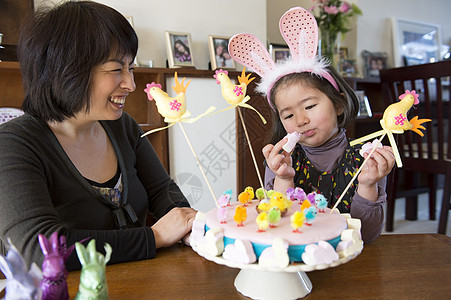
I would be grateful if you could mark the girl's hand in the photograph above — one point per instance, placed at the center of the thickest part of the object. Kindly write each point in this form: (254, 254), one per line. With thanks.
(278, 160)
(377, 167)
(173, 226)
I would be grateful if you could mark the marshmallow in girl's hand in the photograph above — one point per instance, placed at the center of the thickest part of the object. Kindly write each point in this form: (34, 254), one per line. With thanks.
(366, 148)
(293, 138)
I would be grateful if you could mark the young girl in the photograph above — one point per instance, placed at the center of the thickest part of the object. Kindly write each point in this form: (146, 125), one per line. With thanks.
(323, 161)
(310, 98)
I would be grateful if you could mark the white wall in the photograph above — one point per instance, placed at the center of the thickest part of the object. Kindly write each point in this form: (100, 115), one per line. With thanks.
(201, 18)
(372, 30)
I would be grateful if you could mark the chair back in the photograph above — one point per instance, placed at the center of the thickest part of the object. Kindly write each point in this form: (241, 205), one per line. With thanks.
(8, 113)
(430, 153)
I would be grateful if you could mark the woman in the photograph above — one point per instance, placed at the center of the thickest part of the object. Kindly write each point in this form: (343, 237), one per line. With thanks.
(75, 162)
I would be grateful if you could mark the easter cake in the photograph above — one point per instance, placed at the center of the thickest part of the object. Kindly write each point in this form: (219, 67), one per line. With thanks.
(257, 232)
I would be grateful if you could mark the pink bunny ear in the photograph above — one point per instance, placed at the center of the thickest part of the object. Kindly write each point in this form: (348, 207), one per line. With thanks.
(246, 49)
(300, 31)
(44, 243)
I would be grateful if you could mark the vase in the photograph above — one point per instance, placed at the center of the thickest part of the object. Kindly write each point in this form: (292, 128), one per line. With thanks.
(330, 46)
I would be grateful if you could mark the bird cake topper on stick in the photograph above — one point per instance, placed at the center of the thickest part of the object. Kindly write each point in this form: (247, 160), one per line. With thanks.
(236, 96)
(173, 109)
(394, 120)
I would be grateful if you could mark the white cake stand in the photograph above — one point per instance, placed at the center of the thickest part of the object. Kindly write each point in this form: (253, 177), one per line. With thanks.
(259, 282)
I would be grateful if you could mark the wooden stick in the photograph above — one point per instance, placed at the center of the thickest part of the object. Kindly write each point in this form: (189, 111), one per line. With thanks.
(357, 173)
(252, 151)
(198, 163)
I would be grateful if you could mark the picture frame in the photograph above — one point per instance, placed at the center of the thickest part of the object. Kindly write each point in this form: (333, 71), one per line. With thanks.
(415, 42)
(364, 105)
(374, 62)
(219, 53)
(279, 52)
(348, 68)
(179, 49)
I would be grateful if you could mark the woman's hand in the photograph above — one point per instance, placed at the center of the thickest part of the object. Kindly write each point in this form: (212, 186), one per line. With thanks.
(377, 167)
(279, 161)
(173, 226)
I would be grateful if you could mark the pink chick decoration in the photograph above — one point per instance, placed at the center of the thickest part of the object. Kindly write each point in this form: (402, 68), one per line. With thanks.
(296, 193)
(54, 271)
(311, 197)
(297, 221)
(21, 282)
(223, 201)
(274, 216)
(240, 215)
(320, 202)
(262, 221)
(310, 215)
(293, 138)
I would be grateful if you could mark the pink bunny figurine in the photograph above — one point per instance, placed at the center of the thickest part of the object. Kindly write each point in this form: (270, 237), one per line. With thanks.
(54, 271)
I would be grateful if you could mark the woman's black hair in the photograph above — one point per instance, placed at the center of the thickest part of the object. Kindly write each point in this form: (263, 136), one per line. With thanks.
(57, 50)
(345, 98)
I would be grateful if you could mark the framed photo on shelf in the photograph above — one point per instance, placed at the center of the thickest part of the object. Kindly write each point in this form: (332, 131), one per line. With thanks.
(279, 52)
(219, 53)
(415, 42)
(364, 105)
(179, 50)
(348, 68)
(374, 62)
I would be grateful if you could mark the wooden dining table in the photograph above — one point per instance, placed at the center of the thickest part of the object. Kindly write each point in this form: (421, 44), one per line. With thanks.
(416, 266)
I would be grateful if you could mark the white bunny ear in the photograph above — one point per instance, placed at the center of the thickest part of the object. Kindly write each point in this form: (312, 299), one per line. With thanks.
(247, 49)
(300, 31)
(5, 268)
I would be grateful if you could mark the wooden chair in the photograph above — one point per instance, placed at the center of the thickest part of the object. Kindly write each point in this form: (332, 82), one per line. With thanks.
(431, 154)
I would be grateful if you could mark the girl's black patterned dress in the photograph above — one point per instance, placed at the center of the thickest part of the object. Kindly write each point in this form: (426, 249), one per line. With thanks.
(332, 183)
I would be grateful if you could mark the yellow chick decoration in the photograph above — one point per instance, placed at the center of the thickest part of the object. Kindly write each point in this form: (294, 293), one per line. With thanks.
(305, 204)
(246, 196)
(250, 191)
(167, 106)
(232, 93)
(173, 109)
(240, 215)
(297, 221)
(279, 200)
(395, 120)
(395, 115)
(263, 206)
(262, 221)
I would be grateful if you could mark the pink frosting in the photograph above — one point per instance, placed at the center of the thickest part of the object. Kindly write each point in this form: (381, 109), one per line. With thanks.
(327, 226)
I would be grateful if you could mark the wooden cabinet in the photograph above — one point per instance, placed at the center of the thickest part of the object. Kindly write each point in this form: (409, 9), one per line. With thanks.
(373, 90)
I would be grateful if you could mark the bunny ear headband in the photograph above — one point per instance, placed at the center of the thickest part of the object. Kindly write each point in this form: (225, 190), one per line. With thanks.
(300, 31)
